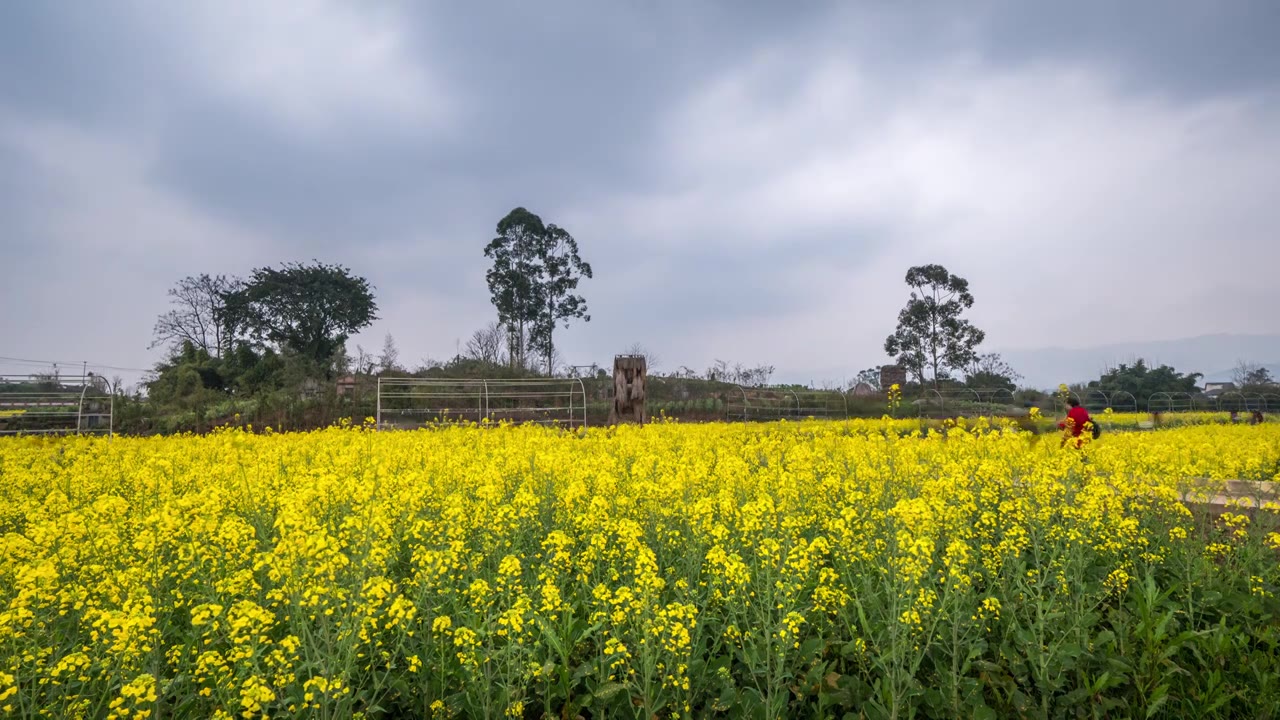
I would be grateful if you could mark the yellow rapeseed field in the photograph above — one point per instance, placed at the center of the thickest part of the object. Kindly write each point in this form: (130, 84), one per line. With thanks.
(746, 570)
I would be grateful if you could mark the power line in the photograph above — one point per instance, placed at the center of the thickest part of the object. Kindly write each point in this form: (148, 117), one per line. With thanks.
(30, 361)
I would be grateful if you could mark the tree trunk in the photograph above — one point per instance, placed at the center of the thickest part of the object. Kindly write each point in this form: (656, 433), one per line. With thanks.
(933, 337)
(551, 326)
(517, 355)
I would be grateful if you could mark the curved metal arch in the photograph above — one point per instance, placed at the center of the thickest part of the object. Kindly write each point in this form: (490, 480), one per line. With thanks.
(942, 402)
(1115, 399)
(1270, 401)
(746, 404)
(797, 399)
(1254, 401)
(1243, 405)
(1060, 406)
(1106, 401)
(80, 407)
(1166, 397)
(581, 387)
(994, 394)
(1171, 398)
(1201, 402)
(959, 394)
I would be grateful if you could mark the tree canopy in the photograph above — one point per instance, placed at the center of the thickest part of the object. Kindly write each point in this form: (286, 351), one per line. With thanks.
(932, 335)
(533, 282)
(991, 371)
(310, 310)
(1142, 381)
(870, 376)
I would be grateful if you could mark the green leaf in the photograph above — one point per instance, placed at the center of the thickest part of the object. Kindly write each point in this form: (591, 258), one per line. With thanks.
(934, 700)
(608, 690)
(811, 647)
(1159, 702)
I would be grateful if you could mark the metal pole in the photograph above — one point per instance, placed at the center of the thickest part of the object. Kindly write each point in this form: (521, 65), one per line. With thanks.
(80, 407)
(583, 388)
(377, 422)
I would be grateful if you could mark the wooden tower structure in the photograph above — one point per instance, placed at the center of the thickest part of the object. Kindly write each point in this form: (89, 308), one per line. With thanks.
(630, 373)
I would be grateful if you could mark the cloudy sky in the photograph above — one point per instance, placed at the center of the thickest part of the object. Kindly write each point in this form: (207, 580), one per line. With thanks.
(750, 181)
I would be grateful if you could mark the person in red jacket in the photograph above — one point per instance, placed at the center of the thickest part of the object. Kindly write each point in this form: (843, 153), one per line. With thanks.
(1073, 426)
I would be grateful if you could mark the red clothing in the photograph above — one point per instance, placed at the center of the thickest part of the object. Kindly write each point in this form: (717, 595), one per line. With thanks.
(1077, 417)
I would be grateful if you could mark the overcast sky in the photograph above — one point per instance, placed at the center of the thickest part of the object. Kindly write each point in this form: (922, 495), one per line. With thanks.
(750, 181)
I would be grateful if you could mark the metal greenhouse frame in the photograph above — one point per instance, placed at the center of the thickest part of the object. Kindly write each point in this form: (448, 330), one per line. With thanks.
(37, 405)
(415, 402)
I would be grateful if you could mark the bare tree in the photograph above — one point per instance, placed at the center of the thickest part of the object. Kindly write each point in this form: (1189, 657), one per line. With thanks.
(198, 315)
(990, 366)
(488, 344)
(719, 371)
(390, 357)
(559, 366)
(428, 364)
(740, 374)
(652, 361)
(752, 376)
(1249, 374)
(363, 363)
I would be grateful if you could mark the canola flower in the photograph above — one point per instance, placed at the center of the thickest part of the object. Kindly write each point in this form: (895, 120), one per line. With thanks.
(670, 570)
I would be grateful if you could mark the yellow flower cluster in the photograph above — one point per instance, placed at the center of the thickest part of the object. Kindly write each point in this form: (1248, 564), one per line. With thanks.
(466, 571)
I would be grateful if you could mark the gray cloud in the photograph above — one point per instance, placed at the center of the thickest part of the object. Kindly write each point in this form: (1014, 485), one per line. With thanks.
(749, 180)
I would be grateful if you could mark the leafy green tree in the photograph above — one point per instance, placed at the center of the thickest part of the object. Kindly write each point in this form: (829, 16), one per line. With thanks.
(1142, 381)
(533, 282)
(992, 372)
(188, 369)
(870, 376)
(931, 334)
(250, 372)
(309, 310)
(513, 278)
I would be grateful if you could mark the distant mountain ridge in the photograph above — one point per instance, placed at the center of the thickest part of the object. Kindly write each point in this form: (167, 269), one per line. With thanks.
(1207, 354)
